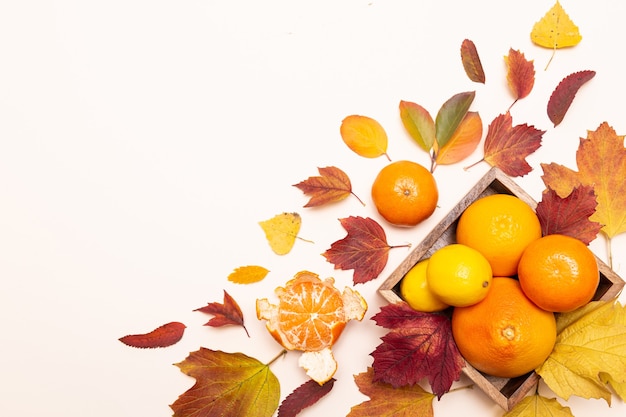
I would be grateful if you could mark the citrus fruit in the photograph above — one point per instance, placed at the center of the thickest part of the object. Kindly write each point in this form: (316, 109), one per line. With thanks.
(405, 193)
(415, 291)
(310, 316)
(505, 335)
(559, 273)
(499, 226)
(458, 275)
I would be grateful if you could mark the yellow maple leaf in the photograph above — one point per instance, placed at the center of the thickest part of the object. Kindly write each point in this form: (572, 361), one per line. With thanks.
(538, 406)
(555, 30)
(281, 231)
(248, 274)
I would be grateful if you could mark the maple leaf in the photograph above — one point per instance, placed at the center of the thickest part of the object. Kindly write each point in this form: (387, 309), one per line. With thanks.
(506, 146)
(248, 274)
(330, 186)
(304, 396)
(471, 62)
(163, 336)
(281, 231)
(538, 406)
(387, 400)
(364, 136)
(228, 385)
(564, 93)
(591, 341)
(224, 314)
(555, 30)
(570, 215)
(520, 74)
(419, 345)
(364, 249)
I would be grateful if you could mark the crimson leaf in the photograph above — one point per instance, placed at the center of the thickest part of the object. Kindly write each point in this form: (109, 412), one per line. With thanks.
(304, 396)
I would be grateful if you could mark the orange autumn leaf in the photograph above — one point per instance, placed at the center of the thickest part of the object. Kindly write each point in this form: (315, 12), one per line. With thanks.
(364, 136)
(471, 62)
(520, 74)
(248, 274)
(330, 186)
(163, 336)
(463, 142)
(555, 30)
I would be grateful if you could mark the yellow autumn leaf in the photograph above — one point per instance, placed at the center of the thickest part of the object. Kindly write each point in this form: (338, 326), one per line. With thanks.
(364, 136)
(555, 30)
(538, 406)
(248, 274)
(281, 231)
(618, 386)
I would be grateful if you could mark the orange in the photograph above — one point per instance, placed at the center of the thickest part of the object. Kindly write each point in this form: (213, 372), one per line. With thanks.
(505, 335)
(405, 193)
(559, 273)
(499, 226)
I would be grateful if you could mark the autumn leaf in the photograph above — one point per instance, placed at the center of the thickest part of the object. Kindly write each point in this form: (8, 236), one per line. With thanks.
(364, 136)
(507, 146)
(520, 74)
(463, 142)
(163, 336)
(570, 215)
(418, 123)
(281, 231)
(330, 186)
(364, 249)
(304, 396)
(248, 274)
(555, 30)
(224, 314)
(450, 116)
(563, 95)
(228, 385)
(419, 345)
(538, 406)
(471, 62)
(591, 341)
(387, 400)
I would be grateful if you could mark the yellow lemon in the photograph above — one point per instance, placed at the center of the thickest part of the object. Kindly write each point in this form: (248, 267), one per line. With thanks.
(415, 291)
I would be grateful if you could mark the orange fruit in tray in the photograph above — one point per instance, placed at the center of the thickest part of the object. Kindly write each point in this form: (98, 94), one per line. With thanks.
(405, 193)
(310, 316)
(505, 335)
(499, 226)
(559, 273)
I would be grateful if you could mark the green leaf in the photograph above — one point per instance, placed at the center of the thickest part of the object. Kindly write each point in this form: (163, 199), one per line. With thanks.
(538, 406)
(418, 123)
(451, 114)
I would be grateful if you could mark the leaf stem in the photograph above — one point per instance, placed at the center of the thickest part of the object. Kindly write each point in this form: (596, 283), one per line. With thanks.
(282, 353)
(406, 245)
(609, 250)
(357, 197)
(474, 164)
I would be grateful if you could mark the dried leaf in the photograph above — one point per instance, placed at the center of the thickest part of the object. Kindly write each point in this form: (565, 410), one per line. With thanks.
(471, 62)
(281, 231)
(304, 396)
(387, 400)
(520, 74)
(248, 274)
(419, 345)
(539, 406)
(228, 385)
(570, 215)
(564, 94)
(330, 186)
(364, 249)
(364, 136)
(590, 341)
(450, 115)
(507, 146)
(555, 30)
(463, 142)
(225, 314)
(163, 336)
(418, 123)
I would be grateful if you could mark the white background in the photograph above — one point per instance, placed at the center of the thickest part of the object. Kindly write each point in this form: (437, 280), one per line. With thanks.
(141, 142)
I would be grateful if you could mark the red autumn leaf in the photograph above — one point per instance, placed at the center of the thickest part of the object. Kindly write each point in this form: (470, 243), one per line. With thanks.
(364, 249)
(569, 215)
(564, 94)
(471, 62)
(162, 336)
(520, 74)
(419, 345)
(304, 396)
(225, 314)
(330, 186)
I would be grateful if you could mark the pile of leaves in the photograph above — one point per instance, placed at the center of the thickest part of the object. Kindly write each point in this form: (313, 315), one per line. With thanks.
(589, 359)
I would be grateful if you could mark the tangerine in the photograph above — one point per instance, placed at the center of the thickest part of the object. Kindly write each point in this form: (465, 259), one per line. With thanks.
(505, 335)
(499, 226)
(559, 273)
(405, 193)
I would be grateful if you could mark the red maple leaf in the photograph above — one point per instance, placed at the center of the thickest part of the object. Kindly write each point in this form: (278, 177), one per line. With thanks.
(564, 94)
(225, 314)
(163, 336)
(304, 396)
(364, 249)
(419, 345)
(330, 186)
(569, 215)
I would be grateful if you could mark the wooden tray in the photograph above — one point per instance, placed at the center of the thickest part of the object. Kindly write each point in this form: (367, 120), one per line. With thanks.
(504, 391)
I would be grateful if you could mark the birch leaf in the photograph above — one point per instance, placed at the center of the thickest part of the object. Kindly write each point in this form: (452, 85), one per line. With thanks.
(555, 30)
(281, 231)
